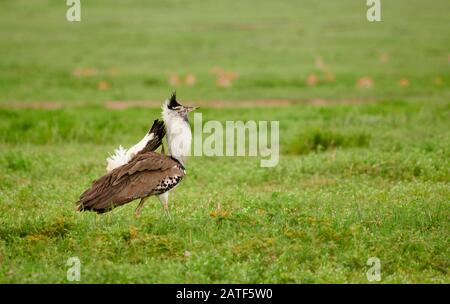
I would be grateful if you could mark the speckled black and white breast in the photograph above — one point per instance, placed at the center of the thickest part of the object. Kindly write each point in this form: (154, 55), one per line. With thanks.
(167, 183)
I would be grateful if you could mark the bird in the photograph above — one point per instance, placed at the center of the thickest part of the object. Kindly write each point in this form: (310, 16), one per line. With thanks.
(139, 172)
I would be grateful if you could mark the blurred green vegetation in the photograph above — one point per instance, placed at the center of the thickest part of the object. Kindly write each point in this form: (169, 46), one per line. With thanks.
(272, 46)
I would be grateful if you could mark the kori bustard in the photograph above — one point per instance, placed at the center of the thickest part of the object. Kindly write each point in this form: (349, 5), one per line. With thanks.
(139, 172)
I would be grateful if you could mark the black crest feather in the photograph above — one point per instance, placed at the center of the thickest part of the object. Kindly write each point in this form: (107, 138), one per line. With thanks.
(173, 103)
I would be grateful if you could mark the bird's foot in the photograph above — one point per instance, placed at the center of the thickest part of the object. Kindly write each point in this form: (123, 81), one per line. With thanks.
(137, 212)
(167, 211)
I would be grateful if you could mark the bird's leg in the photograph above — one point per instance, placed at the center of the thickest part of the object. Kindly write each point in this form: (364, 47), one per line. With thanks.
(164, 199)
(137, 213)
(162, 148)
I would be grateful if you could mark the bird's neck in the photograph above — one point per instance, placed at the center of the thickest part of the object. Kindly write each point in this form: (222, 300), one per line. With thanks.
(179, 138)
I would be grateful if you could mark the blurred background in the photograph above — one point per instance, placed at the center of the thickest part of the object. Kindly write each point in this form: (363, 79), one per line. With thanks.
(222, 50)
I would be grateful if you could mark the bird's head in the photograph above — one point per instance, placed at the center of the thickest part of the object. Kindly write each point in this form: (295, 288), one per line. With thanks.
(174, 109)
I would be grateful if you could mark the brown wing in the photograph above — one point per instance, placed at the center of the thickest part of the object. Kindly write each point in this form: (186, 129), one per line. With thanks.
(146, 174)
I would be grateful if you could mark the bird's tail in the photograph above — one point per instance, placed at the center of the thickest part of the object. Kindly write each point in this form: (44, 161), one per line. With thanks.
(92, 196)
(159, 131)
(151, 142)
(118, 159)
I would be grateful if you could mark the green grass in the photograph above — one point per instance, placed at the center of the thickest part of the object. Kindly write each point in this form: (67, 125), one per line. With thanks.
(316, 217)
(354, 181)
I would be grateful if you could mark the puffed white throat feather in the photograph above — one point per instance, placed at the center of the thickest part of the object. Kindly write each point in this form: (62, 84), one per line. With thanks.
(178, 132)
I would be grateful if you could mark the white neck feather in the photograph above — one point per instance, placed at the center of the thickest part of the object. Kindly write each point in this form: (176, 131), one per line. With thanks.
(179, 135)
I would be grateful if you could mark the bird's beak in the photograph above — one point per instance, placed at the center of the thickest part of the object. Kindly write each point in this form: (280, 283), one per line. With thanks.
(190, 109)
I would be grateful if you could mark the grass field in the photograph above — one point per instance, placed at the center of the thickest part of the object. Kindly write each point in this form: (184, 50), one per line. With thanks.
(363, 172)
